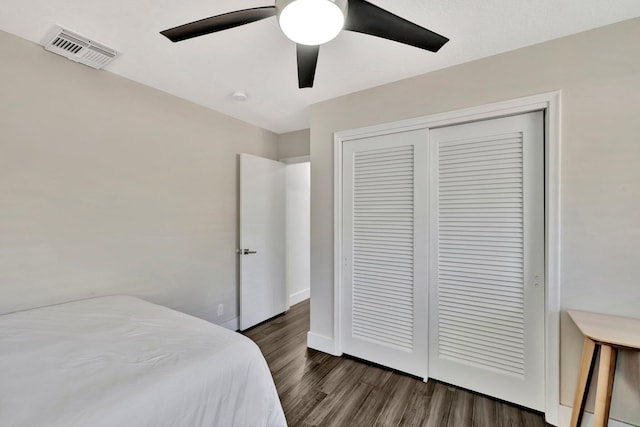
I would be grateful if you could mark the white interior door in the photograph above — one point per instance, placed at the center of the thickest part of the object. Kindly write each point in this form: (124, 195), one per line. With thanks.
(263, 292)
(385, 243)
(487, 258)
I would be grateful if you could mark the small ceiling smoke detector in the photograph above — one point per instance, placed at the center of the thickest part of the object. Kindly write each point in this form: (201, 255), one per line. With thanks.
(239, 96)
(79, 48)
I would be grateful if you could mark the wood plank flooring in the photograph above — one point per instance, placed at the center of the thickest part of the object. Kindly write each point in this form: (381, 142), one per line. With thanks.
(317, 389)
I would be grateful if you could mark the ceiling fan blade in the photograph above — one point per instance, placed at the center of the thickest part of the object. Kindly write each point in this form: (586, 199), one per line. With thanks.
(307, 61)
(364, 17)
(218, 23)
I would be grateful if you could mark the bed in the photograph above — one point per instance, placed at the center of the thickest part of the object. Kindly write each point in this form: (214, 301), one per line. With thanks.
(121, 361)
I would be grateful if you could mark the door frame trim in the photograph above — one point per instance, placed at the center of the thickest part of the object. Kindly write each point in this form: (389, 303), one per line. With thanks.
(550, 103)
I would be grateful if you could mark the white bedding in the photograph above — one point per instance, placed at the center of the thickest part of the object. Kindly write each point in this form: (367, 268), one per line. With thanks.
(123, 362)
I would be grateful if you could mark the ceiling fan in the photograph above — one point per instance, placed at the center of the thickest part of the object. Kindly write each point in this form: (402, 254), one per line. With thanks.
(311, 23)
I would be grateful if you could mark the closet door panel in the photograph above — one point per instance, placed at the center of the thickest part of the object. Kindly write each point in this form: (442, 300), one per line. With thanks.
(385, 232)
(487, 258)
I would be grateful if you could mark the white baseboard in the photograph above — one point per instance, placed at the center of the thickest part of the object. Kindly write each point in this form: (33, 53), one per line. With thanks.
(322, 343)
(565, 419)
(233, 324)
(299, 296)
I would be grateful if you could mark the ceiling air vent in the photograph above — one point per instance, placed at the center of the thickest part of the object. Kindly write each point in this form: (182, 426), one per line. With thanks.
(78, 48)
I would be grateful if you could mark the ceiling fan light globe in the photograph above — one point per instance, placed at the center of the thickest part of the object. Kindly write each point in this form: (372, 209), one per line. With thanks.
(311, 22)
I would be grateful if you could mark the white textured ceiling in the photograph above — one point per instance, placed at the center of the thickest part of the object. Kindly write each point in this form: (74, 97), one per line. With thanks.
(260, 60)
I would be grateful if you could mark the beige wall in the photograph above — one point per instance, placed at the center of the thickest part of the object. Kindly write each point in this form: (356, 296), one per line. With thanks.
(294, 144)
(108, 186)
(598, 73)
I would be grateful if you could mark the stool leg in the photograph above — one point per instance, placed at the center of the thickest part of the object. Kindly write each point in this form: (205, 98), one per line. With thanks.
(606, 372)
(587, 365)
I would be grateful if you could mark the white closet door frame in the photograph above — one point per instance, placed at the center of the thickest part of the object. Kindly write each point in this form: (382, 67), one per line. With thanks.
(550, 104)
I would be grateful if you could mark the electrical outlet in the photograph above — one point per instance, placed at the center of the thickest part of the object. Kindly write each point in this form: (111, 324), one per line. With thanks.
(220, 309)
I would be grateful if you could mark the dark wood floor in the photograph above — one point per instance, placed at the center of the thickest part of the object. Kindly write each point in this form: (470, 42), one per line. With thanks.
(317, 389)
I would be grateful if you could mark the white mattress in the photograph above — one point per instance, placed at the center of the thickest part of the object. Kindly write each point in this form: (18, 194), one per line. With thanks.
(123, 362)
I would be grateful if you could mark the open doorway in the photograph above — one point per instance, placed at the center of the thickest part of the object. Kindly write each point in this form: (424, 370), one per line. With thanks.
(298, 241)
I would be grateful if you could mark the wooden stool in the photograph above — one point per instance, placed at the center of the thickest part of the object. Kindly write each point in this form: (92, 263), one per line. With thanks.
(604, 334)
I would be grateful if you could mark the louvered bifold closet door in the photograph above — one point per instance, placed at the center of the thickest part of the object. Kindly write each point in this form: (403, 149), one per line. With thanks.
(487, 294)
(384, 244)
